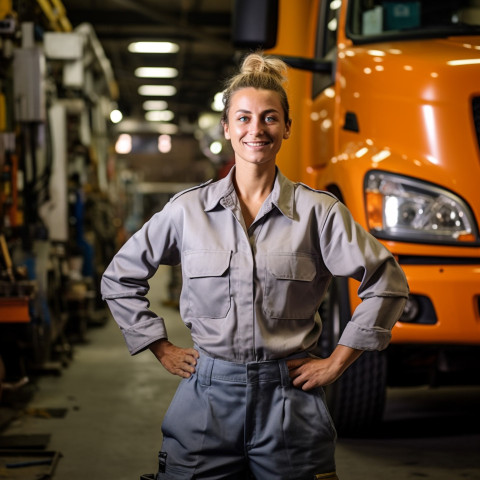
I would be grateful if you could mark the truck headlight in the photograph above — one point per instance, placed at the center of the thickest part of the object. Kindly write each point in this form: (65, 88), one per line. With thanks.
(405, 209)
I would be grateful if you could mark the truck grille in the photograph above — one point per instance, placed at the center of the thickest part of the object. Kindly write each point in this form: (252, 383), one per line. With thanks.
(476, 117)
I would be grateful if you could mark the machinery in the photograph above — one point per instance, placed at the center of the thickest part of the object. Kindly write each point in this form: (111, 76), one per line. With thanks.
(56, 230)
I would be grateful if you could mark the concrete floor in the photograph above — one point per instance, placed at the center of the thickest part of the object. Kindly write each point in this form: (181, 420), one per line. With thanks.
(115, 403)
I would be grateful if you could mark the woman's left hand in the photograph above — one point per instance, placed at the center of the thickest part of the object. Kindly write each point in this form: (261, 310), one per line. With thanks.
(308, 373)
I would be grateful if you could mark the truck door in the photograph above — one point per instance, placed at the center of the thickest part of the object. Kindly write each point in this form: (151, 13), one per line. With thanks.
(322, 114)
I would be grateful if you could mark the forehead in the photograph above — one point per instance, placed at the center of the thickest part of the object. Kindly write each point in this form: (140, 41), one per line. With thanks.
(254, 99)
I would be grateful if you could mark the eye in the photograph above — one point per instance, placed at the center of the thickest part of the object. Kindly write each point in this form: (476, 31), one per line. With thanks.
(242, 118)
(270, 118)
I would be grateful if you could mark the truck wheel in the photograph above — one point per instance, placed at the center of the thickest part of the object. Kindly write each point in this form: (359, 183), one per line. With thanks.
(356, 400)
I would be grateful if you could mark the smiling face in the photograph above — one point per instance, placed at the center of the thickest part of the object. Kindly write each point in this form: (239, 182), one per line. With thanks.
(256, 125)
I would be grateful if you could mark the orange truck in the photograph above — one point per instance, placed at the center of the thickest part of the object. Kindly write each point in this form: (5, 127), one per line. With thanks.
(385, 102)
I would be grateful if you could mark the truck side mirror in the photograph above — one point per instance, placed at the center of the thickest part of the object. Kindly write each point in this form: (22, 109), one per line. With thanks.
(308, 64)
(255, 23)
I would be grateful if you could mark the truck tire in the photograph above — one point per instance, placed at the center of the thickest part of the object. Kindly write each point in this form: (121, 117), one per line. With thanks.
(356, 400)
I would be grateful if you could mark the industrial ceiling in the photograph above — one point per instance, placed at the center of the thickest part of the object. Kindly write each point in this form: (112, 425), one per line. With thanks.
(201, 28)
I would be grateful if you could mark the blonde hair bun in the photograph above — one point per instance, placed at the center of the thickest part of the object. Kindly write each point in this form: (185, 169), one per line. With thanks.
(256, 63)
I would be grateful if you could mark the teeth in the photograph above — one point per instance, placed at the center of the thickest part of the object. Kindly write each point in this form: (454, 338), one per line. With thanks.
(256, 144)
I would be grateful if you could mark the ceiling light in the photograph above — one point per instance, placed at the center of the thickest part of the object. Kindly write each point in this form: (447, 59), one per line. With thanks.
(116, 116)
(156, 72)
(164, 143)
(153, 47)
(155, 105)
(131, 126)
(216, 147)
(217, 105)
(159, 116)
(157, 90)
(167, 128)
(123, 144)
(208, 120)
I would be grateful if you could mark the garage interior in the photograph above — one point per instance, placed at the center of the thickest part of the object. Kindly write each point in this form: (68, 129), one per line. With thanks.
(73, 403)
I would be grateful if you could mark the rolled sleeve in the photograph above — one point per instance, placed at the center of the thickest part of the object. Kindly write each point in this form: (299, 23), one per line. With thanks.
(361, 334)
(125, 284)
(142, 327)
(350, 251)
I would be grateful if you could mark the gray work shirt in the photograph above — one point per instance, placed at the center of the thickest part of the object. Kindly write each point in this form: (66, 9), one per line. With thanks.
(253, 294)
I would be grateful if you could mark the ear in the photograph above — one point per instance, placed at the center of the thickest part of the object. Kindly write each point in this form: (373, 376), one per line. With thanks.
(226, 132)
(288, 126)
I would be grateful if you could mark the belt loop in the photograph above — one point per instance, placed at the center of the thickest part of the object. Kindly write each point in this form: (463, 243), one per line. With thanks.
(284, 375)
(204, 369)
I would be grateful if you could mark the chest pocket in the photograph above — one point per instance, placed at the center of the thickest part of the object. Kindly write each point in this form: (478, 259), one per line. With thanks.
(290, 286)
(207, 275)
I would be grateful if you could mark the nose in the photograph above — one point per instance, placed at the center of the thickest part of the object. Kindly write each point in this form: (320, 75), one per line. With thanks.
(256, 126)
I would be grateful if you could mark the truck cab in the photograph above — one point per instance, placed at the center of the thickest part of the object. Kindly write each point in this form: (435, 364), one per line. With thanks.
(385, 102)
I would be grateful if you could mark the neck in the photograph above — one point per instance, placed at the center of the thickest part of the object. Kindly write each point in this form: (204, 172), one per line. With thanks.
(253, 184)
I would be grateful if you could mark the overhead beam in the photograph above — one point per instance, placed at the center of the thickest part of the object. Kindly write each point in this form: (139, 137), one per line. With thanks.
(168, 19)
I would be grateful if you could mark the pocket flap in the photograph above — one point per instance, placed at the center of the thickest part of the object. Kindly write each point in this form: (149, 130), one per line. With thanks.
(206, 263)
(290, 266)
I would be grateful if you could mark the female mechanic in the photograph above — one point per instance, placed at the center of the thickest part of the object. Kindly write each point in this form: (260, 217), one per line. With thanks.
(257, 253)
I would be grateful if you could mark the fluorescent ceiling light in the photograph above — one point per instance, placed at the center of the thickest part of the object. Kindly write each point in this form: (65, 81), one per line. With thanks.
(208, 120)
(135, 126)
(157, 90)
(153, 47)
(156, 72)
(167, 128)
(159, 115)
(155, 105)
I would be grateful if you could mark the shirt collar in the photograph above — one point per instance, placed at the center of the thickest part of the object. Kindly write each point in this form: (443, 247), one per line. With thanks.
(222, 189)
(282, 195)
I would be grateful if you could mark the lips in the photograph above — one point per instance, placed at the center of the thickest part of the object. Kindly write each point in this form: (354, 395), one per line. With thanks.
(256, 144)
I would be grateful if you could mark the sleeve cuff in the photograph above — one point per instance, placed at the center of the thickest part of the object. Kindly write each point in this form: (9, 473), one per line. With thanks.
(362, 338)
(142, 334)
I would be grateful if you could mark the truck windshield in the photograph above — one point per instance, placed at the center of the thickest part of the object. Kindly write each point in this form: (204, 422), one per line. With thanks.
(381, 20)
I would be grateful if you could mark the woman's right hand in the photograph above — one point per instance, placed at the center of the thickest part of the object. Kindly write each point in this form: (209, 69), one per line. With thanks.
(178, 361)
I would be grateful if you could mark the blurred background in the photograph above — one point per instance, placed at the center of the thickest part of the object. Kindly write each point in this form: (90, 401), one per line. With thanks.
(107, 109)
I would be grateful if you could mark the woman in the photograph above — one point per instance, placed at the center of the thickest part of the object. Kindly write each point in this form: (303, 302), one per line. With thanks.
(257, 252)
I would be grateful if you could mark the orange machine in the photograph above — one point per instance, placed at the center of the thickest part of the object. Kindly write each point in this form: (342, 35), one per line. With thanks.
(385, 99)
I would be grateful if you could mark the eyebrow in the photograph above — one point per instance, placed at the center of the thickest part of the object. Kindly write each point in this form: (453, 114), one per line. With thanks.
(270, 110)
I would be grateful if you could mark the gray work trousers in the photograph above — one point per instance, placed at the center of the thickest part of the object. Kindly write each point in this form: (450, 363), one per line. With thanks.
(233, 421)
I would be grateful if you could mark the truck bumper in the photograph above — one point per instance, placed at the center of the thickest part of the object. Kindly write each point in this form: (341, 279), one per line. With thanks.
(454, 293)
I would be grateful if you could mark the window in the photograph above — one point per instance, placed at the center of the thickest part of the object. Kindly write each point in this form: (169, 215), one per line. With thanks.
(326, 44)
(379, 20)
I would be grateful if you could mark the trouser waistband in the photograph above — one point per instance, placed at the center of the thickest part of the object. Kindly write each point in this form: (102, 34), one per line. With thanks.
(209, 368)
